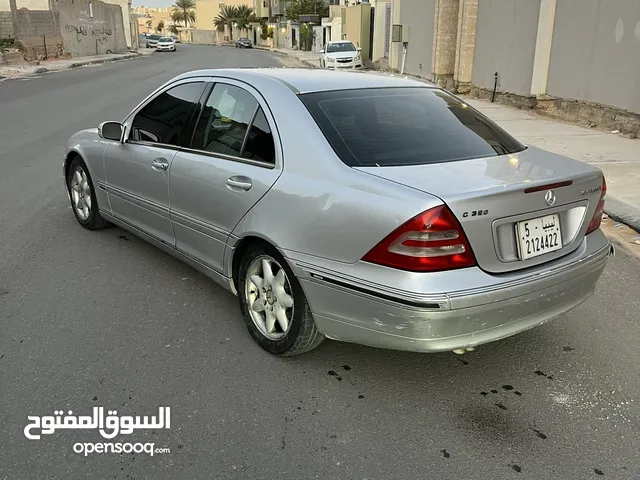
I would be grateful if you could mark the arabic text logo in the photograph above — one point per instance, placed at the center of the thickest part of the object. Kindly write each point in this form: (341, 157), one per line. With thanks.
(109, 426)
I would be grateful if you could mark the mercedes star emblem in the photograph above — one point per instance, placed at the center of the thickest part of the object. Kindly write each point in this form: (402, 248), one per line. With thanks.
(550, 198)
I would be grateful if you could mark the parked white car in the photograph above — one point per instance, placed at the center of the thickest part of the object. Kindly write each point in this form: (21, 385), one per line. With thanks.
(166, 43)
(340, 54)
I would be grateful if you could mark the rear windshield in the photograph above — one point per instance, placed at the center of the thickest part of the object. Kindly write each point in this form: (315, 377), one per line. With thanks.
(388, 127)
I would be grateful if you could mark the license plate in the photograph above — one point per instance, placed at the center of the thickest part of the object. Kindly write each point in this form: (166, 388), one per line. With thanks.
(538, 236)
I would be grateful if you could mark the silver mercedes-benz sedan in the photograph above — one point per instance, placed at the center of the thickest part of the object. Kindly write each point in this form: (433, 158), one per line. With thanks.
(357, 207)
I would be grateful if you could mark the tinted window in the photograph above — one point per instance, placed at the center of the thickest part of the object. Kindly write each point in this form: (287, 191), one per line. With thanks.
(224, 120)
(259, 145)
(165, 39)
(405, 126)
(340, 47)
(163, 118)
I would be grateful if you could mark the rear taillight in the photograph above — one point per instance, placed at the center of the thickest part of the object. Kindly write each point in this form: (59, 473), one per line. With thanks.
(429, 242)
(597, 217)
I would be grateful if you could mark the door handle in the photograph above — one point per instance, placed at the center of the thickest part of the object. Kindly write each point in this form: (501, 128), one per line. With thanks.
(243, 183)
(160, 163)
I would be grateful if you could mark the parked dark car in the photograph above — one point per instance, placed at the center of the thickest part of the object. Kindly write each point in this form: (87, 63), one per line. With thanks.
(243, 43)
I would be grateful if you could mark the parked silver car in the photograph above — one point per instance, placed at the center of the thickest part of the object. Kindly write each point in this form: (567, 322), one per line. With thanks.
(152, 40)
(357, 207)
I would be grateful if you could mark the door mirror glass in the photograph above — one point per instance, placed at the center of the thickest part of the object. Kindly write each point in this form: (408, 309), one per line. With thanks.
(110, 130)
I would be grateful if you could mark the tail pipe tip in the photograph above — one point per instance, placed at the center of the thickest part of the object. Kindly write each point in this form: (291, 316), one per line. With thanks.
(461, 351)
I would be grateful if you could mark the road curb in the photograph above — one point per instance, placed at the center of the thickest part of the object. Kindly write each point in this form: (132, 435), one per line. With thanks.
(104, 60)
(623, 212)
(38, 69)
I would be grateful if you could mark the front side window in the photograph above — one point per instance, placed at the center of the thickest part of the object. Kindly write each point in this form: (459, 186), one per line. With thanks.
(341, 47)
(225, 121)
(163, 119)
(387, 127)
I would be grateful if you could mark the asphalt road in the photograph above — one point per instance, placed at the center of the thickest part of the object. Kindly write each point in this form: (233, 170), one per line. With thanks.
(103, 319)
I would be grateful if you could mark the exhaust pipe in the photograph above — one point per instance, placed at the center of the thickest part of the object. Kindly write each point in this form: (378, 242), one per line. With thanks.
(461, 351)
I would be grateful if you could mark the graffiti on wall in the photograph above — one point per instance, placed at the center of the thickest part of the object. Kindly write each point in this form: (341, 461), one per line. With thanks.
(80, 31)
(101, 31)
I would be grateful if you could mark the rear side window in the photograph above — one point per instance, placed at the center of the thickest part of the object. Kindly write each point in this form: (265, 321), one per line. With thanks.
(405, 126)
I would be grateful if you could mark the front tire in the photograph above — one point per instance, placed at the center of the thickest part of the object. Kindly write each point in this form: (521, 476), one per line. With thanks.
(273, 304)
(83, 196)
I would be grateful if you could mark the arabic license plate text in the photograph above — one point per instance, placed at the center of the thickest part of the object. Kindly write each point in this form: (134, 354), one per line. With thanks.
(538, 236)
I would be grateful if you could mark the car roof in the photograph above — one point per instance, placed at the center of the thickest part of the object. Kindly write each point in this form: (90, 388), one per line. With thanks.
(308, 80)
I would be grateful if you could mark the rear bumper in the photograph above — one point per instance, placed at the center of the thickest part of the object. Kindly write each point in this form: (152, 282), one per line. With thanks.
(457, 319)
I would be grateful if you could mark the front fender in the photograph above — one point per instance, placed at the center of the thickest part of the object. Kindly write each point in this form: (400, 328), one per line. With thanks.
(90, 147)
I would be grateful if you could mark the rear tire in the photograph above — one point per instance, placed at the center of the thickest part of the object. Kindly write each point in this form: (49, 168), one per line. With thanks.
(270, 292)
(83, 196)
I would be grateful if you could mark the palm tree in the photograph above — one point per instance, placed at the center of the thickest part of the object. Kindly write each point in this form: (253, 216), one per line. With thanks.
(183, 12)
(149, 25)
(244, 15)
(160, 26)
(226, 17)
(173, 29)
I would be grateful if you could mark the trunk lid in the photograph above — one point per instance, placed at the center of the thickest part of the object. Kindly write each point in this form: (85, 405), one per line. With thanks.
(487, 195)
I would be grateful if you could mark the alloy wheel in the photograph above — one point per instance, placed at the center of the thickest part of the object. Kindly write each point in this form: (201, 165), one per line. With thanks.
(80, 193)
(269, 297)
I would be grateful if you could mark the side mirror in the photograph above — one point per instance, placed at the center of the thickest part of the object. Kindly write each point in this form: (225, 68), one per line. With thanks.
(110, 130)
(322, 51)
(359, 49)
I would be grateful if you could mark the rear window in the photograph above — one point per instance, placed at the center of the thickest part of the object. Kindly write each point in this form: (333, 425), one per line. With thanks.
(405, 126)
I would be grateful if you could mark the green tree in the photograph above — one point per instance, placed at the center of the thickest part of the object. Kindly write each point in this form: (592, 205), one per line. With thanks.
(226, 17)
(149, 24)
(160, 27)
(244, 16)
(173, 29)
(183, 12)
(306, 7)
(266, 31)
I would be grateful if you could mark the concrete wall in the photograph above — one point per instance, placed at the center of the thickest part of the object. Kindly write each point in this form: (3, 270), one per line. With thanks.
(419, 17)
(6, 25)
(126, 19)
(34, 29)
(205, 37)
(505, 43)
(595, 52)
(467, 22)
(33, 4)
(358, 27)
(379, 29)
(85, 35)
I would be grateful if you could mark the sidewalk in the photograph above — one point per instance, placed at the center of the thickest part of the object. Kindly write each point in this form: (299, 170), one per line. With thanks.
(308, 59)
(15, 71)
(618, 157)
